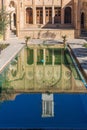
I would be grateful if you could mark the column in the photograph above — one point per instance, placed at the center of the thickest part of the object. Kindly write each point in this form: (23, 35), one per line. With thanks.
(22, 14)
(75, 13)
(44, 56)
(34, 15)
(53, 57)
(72, 13)
(78, 17)
(72, 82)
(17, 19)
(86, 21)
(2, 3)
(43, 14)
(12, 21)
(6, 34)
(52, 108)
(35, 68)
(43, 111)
(53, 14)
(19, 65)
(35, 56)
(34, 12)
(62, 15)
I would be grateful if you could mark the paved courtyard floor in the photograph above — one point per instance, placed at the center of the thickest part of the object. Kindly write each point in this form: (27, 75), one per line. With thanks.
(80, 52)
(10, 52)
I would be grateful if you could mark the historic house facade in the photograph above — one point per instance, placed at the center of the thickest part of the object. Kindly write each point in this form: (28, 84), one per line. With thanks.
(34, 18)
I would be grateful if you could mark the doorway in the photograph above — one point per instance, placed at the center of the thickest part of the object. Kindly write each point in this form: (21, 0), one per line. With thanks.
(82, 20)
(14, 18)
(48, 15)
(67, 15)
(57, 16)
(39, 15)
(29, 15)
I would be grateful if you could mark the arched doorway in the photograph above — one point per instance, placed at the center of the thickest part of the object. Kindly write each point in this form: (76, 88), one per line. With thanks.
(82, 20)
(14, 19)
(29, 15)
(67, 15)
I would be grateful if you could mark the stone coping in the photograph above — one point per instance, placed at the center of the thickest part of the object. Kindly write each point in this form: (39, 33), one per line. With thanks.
(47, 29)
(10, 52)
(80, 53)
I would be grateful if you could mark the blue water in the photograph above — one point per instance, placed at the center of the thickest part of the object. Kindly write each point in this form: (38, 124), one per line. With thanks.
(70, 111)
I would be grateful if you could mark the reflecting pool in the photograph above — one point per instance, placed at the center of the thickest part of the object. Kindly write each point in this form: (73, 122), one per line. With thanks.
(42, 68)
(41, 88)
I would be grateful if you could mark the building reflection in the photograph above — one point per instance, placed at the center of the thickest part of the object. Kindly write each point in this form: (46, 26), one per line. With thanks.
(46, 98)
(8, 95)
(41, 68)
(47, 105)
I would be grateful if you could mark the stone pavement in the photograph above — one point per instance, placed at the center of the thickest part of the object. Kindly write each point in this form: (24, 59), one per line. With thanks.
(44, 41)
(10, 52)
(80, 52)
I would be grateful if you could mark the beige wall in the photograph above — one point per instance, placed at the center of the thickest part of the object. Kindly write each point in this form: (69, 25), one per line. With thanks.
(0, 4)
(43, 2)
(58, 33)
(67, 3)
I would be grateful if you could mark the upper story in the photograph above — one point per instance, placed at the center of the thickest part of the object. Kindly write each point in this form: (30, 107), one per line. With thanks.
(47, 13)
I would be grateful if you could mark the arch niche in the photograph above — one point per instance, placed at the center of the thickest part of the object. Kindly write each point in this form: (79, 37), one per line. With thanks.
(67, 15)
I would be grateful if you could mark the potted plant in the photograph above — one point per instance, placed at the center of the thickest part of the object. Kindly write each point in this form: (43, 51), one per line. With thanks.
(27, 38)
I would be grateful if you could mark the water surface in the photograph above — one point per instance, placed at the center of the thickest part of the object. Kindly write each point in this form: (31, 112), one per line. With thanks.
(70, 111)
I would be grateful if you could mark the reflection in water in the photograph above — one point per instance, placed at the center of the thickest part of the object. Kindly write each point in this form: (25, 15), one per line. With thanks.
(7, 95)
(33, 111)
(47, 102)
(47, 105)
(43, 69)
(27, 72)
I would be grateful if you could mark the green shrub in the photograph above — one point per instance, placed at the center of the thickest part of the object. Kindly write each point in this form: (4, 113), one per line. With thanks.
(3, 46)
(85, 45)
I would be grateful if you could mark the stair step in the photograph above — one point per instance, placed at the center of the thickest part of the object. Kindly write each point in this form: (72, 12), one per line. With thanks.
(12, 34)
